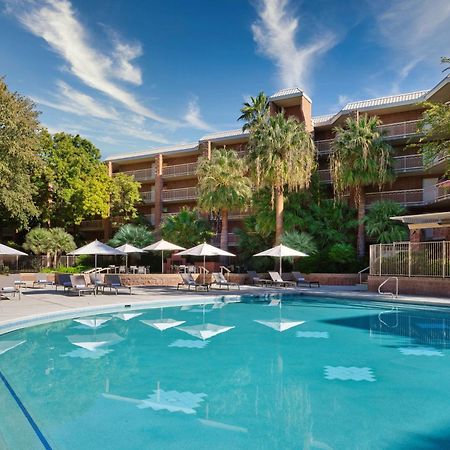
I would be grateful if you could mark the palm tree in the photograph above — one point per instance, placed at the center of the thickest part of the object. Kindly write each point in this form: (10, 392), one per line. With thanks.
(60, 242)
(138, 235)
(254, 111)
(282, 157)
(223, 186)
(379, 224)
(186, 228)
(360, 158)
(38, 241)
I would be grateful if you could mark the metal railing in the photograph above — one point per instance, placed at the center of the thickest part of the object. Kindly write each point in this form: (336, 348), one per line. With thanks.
(411, 259)
(388, 292)
(361, 272)
(408, 163)
(148, 196)
(180, 170)
(324, 175)
(399, 129)
(189, 193)
(237, 215)
(140, 174)
(410, 197)
(324, 146)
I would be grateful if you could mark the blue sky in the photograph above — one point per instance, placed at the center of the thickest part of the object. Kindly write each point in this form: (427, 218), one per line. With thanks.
(137, 74)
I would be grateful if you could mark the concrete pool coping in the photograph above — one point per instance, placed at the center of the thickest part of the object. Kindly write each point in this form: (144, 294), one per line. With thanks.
(39, 306)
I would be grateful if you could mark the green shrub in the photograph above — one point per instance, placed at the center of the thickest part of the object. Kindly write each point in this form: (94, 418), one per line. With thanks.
(342, 253)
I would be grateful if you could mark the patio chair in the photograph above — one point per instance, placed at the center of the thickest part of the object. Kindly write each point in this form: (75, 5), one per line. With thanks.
(115, 283)
(188, 280)
(97, 280)
(8, 290)
(80, 286)
(62, 279)
(300, 279)
(220, 280)
(42, 280)
(141, 270)
(278, 281)
(256, 279)
(122, 269)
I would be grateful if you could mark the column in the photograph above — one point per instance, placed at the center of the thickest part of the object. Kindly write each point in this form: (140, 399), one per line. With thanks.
(158, 189)
(106, 222)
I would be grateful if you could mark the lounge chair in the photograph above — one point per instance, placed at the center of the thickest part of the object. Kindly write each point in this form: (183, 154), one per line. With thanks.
(220, 280)
(97, 280)
(188, 280)
(42, 280)
(113, 281)
(79, 286)
(278, 281)
(256, 279)
(63, 279)
(8, 290)
(300, 279)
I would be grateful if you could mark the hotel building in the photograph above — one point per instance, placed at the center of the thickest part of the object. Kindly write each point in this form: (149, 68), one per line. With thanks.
(168, 174)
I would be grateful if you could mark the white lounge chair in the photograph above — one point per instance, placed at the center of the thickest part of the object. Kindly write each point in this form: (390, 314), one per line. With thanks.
(6, 291)
(220, 280)
(278, 281)
(188, 280)
(114, 282)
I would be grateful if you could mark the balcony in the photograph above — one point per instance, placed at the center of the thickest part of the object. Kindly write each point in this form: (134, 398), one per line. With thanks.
(141, 174)
(180, 170)
(232, 240)
(148, 197)
(238, 215)
(399, 130)
(324, 176)
(408, 163)
(173, 195)
(324, 146)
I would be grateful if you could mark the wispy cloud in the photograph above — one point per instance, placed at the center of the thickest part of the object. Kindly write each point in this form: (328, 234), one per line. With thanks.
(72, 101)
(56, 22)
(193, 116)
(417, 32)
(276, 33)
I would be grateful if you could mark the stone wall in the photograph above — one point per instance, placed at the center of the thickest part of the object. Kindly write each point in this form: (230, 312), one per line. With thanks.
(429, 287)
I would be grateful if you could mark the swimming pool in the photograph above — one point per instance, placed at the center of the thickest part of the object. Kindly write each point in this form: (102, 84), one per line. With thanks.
(315, 373)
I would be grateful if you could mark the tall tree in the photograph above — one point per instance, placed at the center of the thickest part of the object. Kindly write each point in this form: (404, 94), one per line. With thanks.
(125, 195)
(19, 159)
(282, 158)
(223, 186)
(360, 158)
(254, 111)
(435, 128)
(186, 228)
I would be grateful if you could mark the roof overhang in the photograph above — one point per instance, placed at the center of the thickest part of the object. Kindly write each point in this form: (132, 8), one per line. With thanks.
(424, 221)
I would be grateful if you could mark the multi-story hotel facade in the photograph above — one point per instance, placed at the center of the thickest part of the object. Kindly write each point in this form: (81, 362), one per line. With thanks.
(168, 174)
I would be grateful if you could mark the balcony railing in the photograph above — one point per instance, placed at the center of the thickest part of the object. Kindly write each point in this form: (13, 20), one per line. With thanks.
(411, 197)
(180, 170)
(232, 240)
(399, 129)
(408, 163)
(189, 193)
(324, 175)
(238, 215)
(324, 146)
(141, 174)
(148, 196)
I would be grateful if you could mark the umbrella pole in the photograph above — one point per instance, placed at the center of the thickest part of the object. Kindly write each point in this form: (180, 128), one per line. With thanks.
(162, 261)
(95, 263)
(204, 269)
(281, 266)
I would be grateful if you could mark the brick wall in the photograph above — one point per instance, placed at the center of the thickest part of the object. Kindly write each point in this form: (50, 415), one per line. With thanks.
(430, 287)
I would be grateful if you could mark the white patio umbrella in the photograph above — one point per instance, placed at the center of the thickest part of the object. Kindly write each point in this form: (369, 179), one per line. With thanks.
(9, 251)
(162, 246)
(281, 251)
(96, 248)
(204, 250)
(128, 248)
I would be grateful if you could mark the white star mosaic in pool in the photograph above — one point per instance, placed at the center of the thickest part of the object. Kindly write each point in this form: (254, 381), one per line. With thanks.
(173, 401)
(313, 334)
(420, 351)
(349, 373)
(5, 346)
(188, 343)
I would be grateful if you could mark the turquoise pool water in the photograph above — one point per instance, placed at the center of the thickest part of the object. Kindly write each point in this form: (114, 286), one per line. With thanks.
(342, 375)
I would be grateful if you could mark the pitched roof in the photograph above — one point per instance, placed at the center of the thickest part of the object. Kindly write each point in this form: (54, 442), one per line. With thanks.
(224, 134)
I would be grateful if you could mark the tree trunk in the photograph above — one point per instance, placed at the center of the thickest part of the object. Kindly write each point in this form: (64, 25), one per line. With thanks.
(49, 259)
(55, 260)
(279, 208)
(224, 230)
(361, 240)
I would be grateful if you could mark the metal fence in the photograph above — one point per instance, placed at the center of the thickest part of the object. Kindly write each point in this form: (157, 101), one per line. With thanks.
(411, 259)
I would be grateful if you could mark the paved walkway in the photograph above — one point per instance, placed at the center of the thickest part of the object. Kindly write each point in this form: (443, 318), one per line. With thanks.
(45, 305)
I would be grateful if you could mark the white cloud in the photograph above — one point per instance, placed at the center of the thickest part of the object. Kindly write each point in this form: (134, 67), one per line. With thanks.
(417, 31)
(75, 102)
(193, 116)
(275, 32)
(55, 21)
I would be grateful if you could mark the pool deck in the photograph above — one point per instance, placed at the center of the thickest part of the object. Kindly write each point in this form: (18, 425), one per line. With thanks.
(45, 305)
